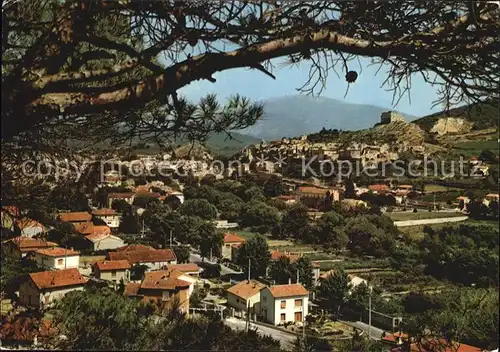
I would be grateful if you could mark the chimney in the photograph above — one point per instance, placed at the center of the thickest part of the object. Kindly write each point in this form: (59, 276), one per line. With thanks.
(289, 280)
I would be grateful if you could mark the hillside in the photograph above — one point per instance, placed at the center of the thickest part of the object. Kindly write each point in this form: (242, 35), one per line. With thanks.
(292, 116)
(480, 116)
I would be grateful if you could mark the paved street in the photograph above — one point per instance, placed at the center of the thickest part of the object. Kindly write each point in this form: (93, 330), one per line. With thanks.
(429, 221)
(376, 333)
(286, 340)
(196, 258)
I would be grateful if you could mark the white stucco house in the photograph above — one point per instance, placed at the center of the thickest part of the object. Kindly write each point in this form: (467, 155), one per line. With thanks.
(30, 228)
(109, 216)
(57, 258)
(41, 289)
(103, 241)
(284, 303)
(245, 295)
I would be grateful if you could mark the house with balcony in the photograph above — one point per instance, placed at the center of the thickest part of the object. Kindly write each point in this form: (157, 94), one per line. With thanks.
(57, 258)
(284, 303)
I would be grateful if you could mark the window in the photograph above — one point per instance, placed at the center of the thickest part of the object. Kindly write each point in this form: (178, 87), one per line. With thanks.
(60, 261)
(298, 303)
(283, 304)
(282, 317)
(298, 316)
(264, 299)
(113, 273)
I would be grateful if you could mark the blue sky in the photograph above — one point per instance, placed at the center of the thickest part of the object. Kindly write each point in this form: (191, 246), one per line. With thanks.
(255, 85)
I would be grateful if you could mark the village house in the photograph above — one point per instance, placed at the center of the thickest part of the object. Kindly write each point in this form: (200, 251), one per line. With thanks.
(112, 270)
(245, 296)
(127, 197)
(154, 259)
(284, 303)
(57, 258)
(231, 241)
(75, 217)
(353, 279)
(165, 289)
(29, 227)
(109, 216)
(312, 196)
(88, 228)
(379, 189)
(191, 269)
(21, 246)
(287, 199)
(42, 288)
(104, 241)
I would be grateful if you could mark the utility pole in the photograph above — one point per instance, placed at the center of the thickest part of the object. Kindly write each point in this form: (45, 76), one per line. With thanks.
(298, 276)
(434, 201)
(142, 232)
(370, 313)
(170, 238)
(210, 254)
(249, 265)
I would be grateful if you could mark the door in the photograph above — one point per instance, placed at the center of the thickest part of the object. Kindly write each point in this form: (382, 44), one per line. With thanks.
(298, 316)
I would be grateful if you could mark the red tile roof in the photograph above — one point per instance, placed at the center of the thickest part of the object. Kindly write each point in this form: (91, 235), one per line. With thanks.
(233, 238)
(57, 278)
(144, 256)
(246, 289)
(292, 290)
(184, 268)
(27, 222)
(286, 197)
(26, 244)
(132, 289)
(378, 188)
(11, 210)
(438, 345)
(113, 265)
(120, 195)
(88, 228)
(315, 190)
(80, 216)
(134, 248)
(163, 280)
(276, 255)
(96, 237)
(57, 252)
(103, 212)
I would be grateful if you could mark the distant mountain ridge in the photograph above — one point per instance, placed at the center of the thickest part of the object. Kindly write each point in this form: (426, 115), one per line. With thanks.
(292, 116)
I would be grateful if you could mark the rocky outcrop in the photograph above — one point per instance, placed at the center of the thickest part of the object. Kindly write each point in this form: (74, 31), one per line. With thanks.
(451, 125)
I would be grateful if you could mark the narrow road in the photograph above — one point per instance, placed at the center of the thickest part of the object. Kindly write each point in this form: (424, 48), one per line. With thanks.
(375, 333)
(429, 221)
(286, 340)
(196, 258)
